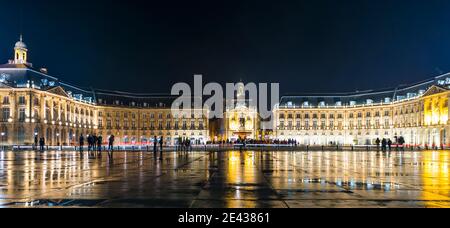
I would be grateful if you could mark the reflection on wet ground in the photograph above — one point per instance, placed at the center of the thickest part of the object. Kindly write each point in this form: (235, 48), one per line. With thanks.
(226, 180)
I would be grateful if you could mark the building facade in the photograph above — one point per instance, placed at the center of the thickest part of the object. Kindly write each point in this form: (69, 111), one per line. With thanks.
(241, 119)
(418, 113)
(35, 104)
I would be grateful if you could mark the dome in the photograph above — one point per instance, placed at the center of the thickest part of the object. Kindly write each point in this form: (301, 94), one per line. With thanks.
(21, 44)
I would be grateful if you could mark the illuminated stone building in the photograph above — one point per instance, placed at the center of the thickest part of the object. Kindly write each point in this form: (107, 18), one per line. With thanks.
(34, 103)
(241, 121)
(417, 112)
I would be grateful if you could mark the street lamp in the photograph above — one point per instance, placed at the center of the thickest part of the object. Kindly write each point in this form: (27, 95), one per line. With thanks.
(3, 135)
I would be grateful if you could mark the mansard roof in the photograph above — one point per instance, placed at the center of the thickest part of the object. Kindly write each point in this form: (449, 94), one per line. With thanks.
(24, 75)
(21, 75)
(368, 97)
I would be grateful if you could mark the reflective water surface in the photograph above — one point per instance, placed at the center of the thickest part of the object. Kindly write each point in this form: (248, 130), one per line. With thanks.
(226, 179)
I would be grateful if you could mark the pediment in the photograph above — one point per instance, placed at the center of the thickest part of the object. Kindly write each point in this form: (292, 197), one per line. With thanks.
(435, 90)
(58, 90)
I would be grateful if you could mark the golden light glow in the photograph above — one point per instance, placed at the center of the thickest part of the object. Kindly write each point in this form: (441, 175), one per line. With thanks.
(436, 178)
(436, 110)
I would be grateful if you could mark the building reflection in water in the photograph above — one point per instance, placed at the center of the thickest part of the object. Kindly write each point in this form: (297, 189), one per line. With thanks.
(241, 174)
(350, 170)
(242, 177)
(435, 173)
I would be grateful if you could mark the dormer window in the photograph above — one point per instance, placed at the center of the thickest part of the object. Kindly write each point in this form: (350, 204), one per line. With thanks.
(411, 95)
(352, 103)
(447, 81)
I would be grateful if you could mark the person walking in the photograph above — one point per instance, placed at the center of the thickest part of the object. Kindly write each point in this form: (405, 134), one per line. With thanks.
(89, 141)
(383, 145)
(161, 148)
(94, 142)
(377, 142)
(41, 144)
(401, 142)
(155, 145)
(111, 143)
(99, 144)
(81, 142)
(35, 142)
(390, 145)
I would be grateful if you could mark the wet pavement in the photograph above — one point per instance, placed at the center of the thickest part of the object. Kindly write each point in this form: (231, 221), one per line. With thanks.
(226, 179)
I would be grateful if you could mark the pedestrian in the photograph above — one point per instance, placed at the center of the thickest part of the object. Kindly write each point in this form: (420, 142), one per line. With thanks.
(99, 143)
(35, 142)
(155, 145)
(377, 142)
(390, 145)
(161, 148)
(41, 143)
(383, 145)
(94, 142)
(401, 142)
(89, 141)
(81, 142)
(111, 143)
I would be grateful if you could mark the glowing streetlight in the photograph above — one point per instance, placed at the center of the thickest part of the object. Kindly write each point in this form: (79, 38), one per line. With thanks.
(3, 135)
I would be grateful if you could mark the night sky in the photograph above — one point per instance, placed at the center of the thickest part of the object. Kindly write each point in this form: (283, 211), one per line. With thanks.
(306, 46)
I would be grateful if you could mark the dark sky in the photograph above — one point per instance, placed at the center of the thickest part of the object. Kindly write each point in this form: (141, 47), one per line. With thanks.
(306, 46)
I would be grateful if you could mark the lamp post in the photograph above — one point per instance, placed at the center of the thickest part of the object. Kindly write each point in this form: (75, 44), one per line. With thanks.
(36, 140)
(3, 135)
